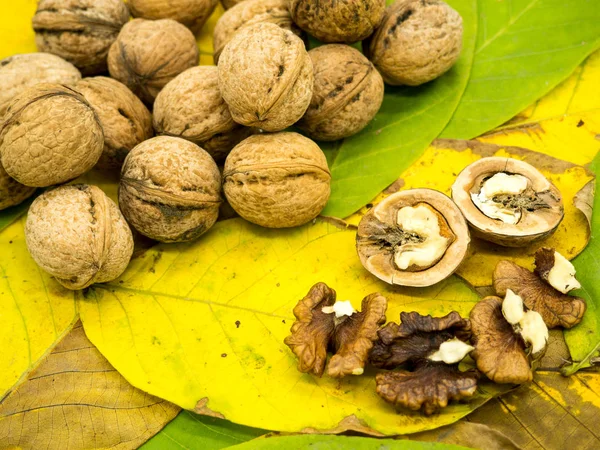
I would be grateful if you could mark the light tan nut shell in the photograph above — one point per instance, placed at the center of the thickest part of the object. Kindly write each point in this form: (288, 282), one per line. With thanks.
(149, 53)
(347, 94)
(124, 118)
(80, 31)
(50, 135)
(335, 21)
(78, 235)
(191, 107)
(170, 189)
(11, 191)
(266, 77)
(191, 13)
(277, 180)
(20, 72)
(416, 42)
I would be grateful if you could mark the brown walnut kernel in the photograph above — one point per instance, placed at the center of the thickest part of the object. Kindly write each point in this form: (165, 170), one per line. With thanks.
(191, 13)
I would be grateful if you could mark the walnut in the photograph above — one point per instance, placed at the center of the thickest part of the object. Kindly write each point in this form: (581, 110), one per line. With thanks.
(170, 189)
(50, 135)
(418, 40)
(266, 77)
(11, 191)
(507, 201)
(20, 72)
(149, 53)
(191, 13)
(191, 107)
(277, 180)
(78, 235)
(347, 94)
(124, 118)
(80, 31)
(416, 237)
(333, 21)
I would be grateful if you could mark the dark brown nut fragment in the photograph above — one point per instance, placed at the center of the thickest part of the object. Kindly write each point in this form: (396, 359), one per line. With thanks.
(277, 180)
(347, 94)
(191, 13)
(50, 135)
(333, 21)
(124, 118)
(266, 77)
(78, 235)
(11, 191)
(416, 237)
(556, 270)
(149, 53)
(507, 201)
(80, 31)
(191, 107)
(170, 189)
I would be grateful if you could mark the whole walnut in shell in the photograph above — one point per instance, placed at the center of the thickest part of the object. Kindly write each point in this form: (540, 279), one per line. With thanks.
(266, 77)
(20, 72)
(334, 21)
(80, 31)
(123, 116)
(11, 191)
(50, 135)
(416, 42)
(191, 13)
(277, 180)
(78, 235)
(149, 53)
(347, 94)
(170, 189)
(191, 107)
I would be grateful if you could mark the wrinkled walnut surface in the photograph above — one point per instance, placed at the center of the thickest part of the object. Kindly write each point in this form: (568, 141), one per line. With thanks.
(11, 191)
(78, 235)
(277, 180)
(191, 13)
(80, 31)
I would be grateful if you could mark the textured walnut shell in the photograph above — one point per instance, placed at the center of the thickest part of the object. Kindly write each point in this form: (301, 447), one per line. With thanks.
(191, 107)
(533, 226)
(378, 257)
(149, 53)
(20, 72)
(11, 191)
(277, 180)
(170, 189)
(78, 235)
(416, 42)
(80, 31)
(266, 77)
(333, 21)
(124, 118)
(191, 13)
(347, 94)
(50, 135)
(247, 13)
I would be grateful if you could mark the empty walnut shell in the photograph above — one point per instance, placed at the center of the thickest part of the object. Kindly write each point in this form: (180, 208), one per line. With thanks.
(333, 21)
(416, 42)
(277, 180)
(347, 94)
(78, 235)
(11, 191)
(50, 135)
(149, 53)
(80, 31)
(191, 13)
(124, 118)
(170, 189)
(380, 239)
(266, 77)
(191, 107)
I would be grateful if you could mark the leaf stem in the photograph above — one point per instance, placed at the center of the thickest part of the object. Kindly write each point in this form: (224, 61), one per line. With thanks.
(572, 368)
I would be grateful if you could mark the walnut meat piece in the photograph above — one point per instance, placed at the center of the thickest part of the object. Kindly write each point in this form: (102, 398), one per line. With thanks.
(80, 31)
(347, 94)
(124, 118)
(277, 180)
(170, 189)
(50, 135)
(78, 235)
(191, 107)
(149, 53)
(191, 13)
(416, 42)
(11, 191)
(266, 77)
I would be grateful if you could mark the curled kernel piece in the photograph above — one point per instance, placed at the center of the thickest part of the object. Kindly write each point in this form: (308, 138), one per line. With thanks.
(556, 270)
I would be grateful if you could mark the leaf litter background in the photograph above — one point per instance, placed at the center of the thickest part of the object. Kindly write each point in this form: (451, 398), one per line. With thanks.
(137, 324)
